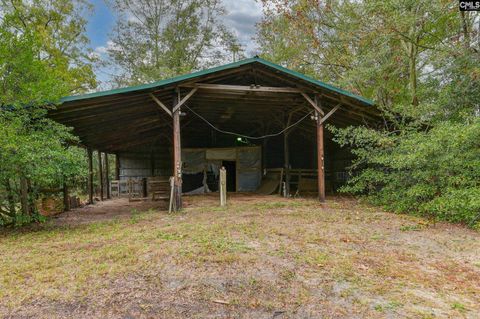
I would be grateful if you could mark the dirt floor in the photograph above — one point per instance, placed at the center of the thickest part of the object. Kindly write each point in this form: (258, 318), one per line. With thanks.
(261, 257)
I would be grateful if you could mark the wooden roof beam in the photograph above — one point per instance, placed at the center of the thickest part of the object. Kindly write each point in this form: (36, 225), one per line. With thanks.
(243, 88)
(161, 105)
(314, 104)
(333, 110)
(185, 99)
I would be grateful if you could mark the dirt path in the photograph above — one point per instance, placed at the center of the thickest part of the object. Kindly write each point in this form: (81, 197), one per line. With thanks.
(262, 257)
(107, 210)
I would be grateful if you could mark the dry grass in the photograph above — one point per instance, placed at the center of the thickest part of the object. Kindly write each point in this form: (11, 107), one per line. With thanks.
(262, 257)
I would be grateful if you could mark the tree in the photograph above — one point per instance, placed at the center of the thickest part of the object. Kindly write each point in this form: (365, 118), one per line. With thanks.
(42, 58)
(156, 39)
(419, 61)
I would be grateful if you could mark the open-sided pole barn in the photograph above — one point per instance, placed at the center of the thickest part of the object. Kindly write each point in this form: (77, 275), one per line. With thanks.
(251, 103)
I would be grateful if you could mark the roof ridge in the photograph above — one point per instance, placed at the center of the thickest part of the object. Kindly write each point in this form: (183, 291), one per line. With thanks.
(183, 77)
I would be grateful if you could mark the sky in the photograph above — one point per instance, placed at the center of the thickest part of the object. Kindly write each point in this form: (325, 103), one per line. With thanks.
(242, 15)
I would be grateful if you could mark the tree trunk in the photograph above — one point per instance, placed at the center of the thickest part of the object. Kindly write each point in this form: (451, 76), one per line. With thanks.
(413, 73)
(10, 197)
(466, 32)
(24, 196)
(66, 199)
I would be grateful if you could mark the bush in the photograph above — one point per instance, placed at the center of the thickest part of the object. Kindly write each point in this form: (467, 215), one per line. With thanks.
(435, 172)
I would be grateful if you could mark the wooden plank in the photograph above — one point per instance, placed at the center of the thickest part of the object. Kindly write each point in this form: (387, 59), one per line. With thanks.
(159, 103)
(324, 118)
(244, 88)
(315, 106)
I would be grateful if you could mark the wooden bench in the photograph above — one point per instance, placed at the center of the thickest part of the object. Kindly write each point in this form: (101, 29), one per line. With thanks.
(158, 187)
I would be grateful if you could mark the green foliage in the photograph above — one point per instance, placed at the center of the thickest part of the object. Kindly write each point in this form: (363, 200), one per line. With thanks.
(156, 39)
(42, 58)
(436, 172)
(419, 61)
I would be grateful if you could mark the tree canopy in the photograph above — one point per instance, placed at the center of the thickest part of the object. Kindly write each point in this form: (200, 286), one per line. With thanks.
(42, 58)
(419, 61)
(157, 39)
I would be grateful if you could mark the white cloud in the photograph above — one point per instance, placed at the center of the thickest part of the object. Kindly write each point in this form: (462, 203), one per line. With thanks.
(242, 16)
(103, 49)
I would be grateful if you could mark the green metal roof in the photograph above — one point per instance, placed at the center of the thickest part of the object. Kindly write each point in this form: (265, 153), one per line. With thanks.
(213, 70)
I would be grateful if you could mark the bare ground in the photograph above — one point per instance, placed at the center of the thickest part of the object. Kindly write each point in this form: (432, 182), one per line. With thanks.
(262, 257)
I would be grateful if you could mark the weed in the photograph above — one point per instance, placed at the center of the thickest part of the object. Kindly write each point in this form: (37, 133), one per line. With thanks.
(415, 227)
(170, 236)
(459, 306)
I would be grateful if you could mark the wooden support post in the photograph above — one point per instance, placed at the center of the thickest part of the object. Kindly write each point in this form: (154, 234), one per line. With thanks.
(117, 166)
(100, 174)
(223, 186)
(90, 175)
(177, 156)
(286, 154)
(66, 199)
(286, 160)
(320, 155)
(320, 161)
(107, 175)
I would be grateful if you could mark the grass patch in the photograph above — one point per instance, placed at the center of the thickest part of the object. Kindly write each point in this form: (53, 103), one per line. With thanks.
(261, 255)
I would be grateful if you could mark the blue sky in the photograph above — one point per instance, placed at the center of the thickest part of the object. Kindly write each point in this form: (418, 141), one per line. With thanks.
(242, 15)
(100, 24)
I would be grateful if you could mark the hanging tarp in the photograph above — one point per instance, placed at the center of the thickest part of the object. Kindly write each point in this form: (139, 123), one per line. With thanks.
(224, 154)
(248, 164)
(248, 181)
(193, 161)
(249, 157)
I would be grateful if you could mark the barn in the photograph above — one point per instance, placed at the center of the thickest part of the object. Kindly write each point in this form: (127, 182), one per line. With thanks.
(262, 122)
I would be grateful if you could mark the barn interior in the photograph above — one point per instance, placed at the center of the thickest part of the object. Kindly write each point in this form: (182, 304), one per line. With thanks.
(251, 117)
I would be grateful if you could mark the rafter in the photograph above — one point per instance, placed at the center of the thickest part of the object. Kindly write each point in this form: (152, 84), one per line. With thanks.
(160, 104)
(315, 106)
(185, 99)
(326, 116)
(244, 88)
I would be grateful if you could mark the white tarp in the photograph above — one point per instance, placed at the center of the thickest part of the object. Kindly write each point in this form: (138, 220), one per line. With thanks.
(248, 161)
